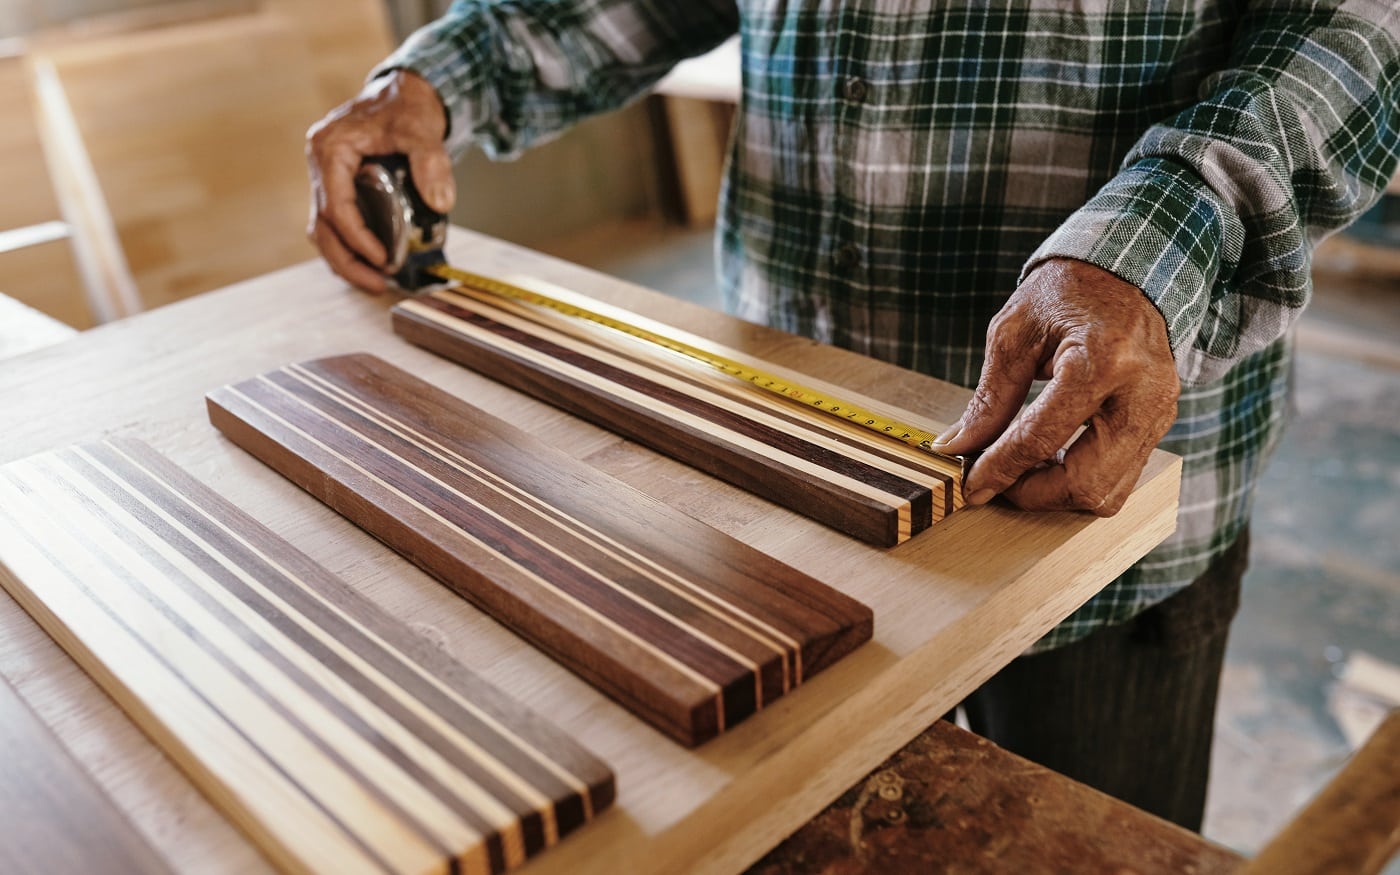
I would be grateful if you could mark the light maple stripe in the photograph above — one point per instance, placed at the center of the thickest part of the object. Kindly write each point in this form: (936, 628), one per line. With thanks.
(310, 760)
(786, 647)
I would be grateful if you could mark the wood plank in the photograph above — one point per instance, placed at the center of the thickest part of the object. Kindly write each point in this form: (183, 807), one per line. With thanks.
(952, 606)
(854, 480)
(53, 817)
(690, 629)
(1352, 827)
(332, 735)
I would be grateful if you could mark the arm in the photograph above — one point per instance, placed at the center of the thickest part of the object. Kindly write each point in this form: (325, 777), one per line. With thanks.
(501, 73)
(1210, 222)
(514, 72)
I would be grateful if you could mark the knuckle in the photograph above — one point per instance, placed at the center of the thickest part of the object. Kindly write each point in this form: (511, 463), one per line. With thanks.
(1092, 496)
(316, 137)
(1030, 448)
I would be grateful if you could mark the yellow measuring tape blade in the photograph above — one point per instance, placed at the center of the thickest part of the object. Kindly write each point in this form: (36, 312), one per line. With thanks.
(914, 437)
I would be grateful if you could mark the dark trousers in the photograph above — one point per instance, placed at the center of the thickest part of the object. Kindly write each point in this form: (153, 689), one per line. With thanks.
(1130, 709)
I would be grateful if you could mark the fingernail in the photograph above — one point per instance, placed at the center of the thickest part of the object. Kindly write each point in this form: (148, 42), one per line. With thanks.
(948, 434)
(981, 496)
(442, 193)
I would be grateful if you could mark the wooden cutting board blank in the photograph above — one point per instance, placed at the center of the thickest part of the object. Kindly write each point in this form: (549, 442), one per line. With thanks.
(331, 734)
(852, 479)
(688, 628)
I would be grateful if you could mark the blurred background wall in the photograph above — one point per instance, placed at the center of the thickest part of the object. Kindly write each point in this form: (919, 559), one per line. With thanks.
(152, 149)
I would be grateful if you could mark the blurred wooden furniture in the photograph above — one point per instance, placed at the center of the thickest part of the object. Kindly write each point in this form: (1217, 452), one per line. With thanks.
(174, 138)
(42, 275)
(1352, 827)
(699, 99)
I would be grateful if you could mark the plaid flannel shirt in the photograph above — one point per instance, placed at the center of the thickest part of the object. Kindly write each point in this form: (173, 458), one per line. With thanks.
(899, 164)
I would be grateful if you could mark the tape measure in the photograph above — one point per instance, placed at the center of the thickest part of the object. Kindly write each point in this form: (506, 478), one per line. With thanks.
(413, 235)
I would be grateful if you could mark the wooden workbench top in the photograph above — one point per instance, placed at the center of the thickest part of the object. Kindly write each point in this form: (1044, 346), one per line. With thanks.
(951, 606)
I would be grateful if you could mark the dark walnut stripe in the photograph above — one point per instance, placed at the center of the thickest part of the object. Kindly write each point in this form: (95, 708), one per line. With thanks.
(688, 628)
(53, 817)
(333, 735)
(850, 479)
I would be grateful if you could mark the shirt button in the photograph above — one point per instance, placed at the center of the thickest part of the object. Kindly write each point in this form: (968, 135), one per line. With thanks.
(846, 258)
(855, 89)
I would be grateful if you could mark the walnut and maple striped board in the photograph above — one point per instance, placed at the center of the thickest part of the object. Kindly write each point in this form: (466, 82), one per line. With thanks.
(333, 736)
(685, 626)
(857, 481)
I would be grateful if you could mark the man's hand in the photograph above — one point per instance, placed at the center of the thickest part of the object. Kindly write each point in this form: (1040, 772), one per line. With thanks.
(1103, 346)
(397, 112)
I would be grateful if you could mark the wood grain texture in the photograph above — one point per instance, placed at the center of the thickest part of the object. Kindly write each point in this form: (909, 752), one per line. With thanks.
(333, 736)
(858, 482)
(952, 802)
(53, 817)
(690, 629)
(952, 606)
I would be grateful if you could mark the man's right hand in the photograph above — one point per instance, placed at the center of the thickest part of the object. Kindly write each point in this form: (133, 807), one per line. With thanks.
(399, 112)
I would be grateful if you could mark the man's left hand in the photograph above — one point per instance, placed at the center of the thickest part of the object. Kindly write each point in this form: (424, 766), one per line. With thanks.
(1103, 346)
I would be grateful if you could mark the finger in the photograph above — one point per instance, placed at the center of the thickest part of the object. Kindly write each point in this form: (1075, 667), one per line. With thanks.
(333, 170)
(344, 262)
(1097, 475)
(1013, 356)
(432, 174)
(1046, 426)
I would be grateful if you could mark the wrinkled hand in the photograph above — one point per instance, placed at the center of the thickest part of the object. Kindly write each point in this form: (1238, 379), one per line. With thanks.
(399, 112)
(1103, 346)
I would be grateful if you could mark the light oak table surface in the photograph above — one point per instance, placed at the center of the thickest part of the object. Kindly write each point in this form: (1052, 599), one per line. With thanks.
(951, 606)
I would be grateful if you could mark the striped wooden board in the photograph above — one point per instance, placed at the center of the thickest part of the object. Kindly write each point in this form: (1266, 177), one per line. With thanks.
(857, 481)
(690, 629)
(53, 817)
(331, 734)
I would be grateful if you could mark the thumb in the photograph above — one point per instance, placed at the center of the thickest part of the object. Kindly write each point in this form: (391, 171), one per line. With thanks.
(432, 174)
(1007, 374)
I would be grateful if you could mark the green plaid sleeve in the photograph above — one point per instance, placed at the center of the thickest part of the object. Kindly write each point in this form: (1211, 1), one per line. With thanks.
(1215, 211)
(512, 74)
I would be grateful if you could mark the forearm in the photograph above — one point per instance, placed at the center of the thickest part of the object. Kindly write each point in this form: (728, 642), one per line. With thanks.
(513, 72)
(1215, 212)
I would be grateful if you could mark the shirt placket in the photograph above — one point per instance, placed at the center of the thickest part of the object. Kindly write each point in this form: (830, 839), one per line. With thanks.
(849, 249)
